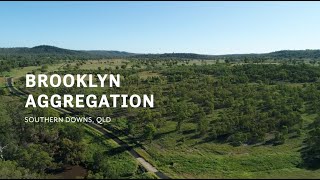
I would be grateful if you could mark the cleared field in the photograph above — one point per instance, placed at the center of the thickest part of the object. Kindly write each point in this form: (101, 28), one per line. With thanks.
(199, 62)
(146, 74)
(108, 63)
(20, 72)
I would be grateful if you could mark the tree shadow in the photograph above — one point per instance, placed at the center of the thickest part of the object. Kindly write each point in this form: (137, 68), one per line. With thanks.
(308, 162)
(160, 135)
(186, 132)
(212, 139)
(121, 149)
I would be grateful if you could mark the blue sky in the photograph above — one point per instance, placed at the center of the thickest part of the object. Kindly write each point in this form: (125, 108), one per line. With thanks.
(158, 27)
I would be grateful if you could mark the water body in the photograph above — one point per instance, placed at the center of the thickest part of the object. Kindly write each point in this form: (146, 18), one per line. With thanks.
(71, 172)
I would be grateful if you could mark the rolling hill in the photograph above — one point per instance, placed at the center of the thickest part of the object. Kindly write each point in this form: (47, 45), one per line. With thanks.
(60, 53)
(56, 51)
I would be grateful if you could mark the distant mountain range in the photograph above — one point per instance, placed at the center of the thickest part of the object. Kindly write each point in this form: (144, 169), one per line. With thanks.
(52, 50)
(45, 50)
(284, 54)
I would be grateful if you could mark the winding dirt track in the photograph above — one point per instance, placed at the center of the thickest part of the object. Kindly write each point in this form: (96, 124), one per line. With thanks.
(107, 133)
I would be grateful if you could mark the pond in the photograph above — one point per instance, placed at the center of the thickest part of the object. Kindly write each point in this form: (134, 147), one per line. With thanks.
(70, 172)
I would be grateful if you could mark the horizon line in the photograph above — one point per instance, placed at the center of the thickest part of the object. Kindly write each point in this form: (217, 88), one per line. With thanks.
(251, 53)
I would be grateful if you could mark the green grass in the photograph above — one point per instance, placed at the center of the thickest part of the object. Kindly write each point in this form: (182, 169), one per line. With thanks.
(128, 159)
(193, 158)
(146, 74)
(2, 82)
(20, 72)
(308, 118)
(198, 62)
(121, 162)
(108, 63)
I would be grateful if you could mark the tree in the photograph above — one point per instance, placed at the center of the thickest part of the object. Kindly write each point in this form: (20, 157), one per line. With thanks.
(181, 110)
(44, 68)
(149, 132)
(2, 92)
(279, 139)
(73, 132)
(203, 123)
(123, 66)
(238, 139)
(35, 158)
(92, 175)
(97, 159)
(14, 110)
(10, 170)
(71, 152)
(203, 126)
(311, 152)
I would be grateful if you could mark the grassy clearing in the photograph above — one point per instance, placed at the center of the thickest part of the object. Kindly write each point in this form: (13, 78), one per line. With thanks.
(186, 157)
(199, 62)
(2, 82)
(20, 72)
(308, 118)
(106, 63)
(146, 74)
(248, 162)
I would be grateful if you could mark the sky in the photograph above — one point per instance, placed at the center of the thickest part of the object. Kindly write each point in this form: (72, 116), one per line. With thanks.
(162, 27)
